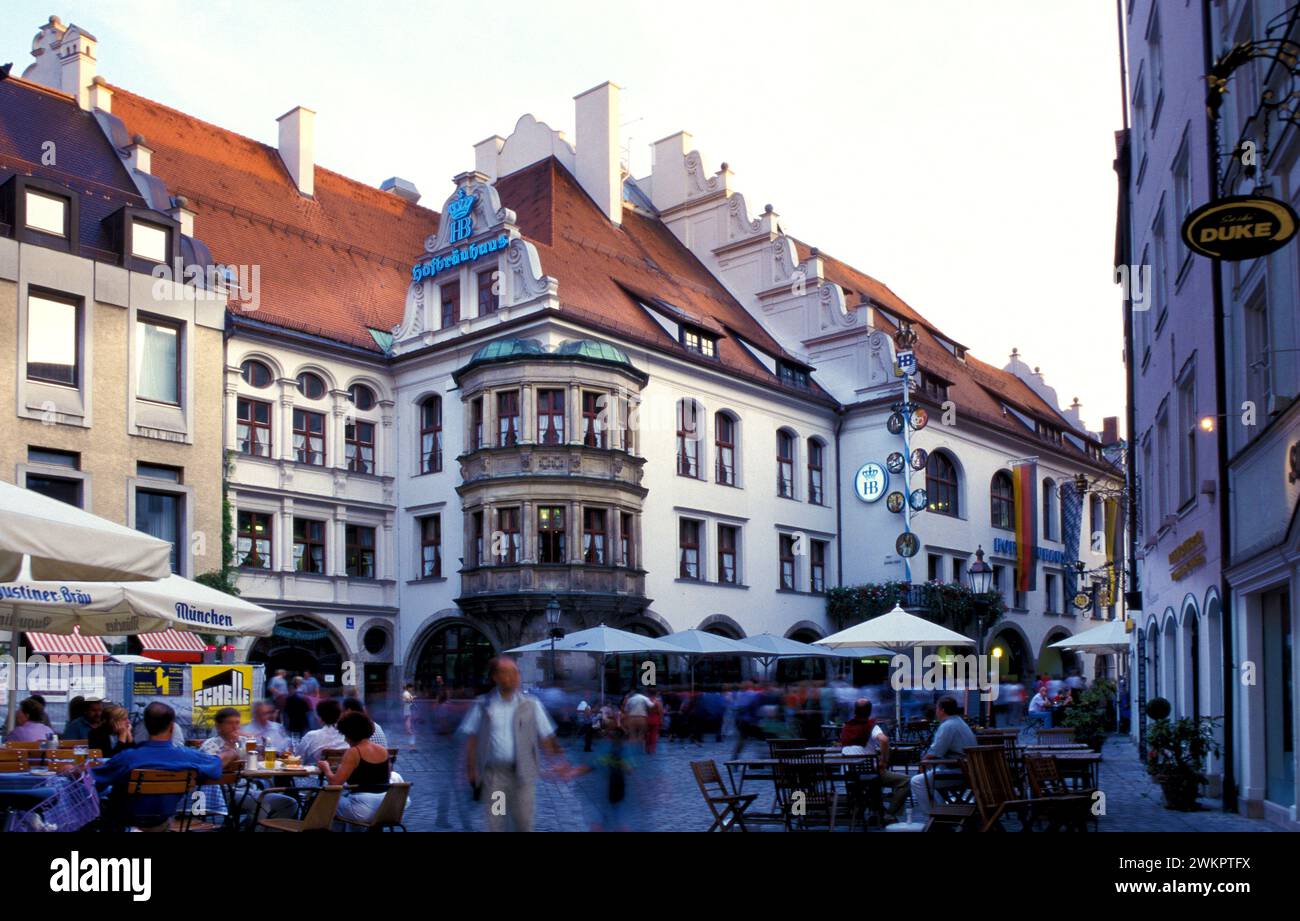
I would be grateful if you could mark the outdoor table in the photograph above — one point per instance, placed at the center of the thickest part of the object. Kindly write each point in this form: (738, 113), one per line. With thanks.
(282, 781)
(746, 764)
(23, 791)
(1080, 765)
(1058, 747)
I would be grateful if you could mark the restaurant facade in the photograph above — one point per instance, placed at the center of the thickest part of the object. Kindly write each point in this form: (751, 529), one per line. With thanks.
(572, 391)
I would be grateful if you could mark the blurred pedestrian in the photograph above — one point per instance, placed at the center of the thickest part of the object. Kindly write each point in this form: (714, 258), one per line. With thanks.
(636, 707)
(654, 722)
(408, 712)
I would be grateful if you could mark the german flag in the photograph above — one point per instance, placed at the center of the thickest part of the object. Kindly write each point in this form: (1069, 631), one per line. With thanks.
(1114, 517)
(1024, 478)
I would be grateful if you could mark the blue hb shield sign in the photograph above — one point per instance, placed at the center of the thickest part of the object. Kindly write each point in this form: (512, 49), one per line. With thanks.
(907, 361)
(460, 210)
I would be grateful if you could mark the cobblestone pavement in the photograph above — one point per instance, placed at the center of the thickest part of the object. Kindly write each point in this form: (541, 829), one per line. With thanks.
(661, 794)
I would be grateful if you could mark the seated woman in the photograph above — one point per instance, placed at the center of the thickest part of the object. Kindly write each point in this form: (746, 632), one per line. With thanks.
(114, 733)
(364, 769)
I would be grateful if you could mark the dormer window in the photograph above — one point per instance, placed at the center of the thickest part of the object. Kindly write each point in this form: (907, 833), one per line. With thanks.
(792, 375)
(933, 386)
(46, 213)
(700, 342)
(150, 241)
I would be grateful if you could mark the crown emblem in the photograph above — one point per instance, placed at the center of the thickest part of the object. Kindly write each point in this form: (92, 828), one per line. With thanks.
(461, 205)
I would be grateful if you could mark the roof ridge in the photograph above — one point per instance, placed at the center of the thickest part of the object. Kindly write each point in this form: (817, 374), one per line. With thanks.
(41, 88)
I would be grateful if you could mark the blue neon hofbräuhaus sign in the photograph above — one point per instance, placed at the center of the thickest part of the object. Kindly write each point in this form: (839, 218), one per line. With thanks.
(1046, 554)
(460, 226)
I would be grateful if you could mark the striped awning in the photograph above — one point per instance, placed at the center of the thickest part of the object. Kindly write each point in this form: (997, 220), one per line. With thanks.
(73, 644)
(172, 641)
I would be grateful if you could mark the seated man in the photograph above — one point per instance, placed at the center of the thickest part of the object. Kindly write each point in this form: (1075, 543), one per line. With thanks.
(153, 813)
(1040, 708)
(951, 739)
(313, 745)
(264, 730)
(29, 723)
(354, 705)
(251, 800)
(862, 735)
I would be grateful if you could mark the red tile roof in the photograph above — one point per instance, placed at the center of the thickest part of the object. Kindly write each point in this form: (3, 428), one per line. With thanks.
(334, 265)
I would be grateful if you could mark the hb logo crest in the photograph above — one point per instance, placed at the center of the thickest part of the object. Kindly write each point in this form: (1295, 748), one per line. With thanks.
(461, 211)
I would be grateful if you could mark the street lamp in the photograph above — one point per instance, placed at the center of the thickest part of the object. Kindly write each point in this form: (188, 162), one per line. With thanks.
(980, 574)
(553, 622)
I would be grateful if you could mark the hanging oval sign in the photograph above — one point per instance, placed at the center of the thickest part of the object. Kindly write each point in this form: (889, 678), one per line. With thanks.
(919, 418)
(1240, 227)
(895, 423)
(907, 544)
(1083, 601)
(871, 481)
(894, 502)
(919, 458)
(918, 500)
(894, 462)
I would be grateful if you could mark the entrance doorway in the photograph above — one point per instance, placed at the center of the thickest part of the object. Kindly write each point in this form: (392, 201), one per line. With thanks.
(453, 661)
(299, 645)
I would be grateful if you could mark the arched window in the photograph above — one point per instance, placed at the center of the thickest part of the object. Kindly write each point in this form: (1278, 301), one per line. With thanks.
(688, 438)
(1049, 509)
(361, 396)
(724, 434)
(311, 386)
(941, 484)
(816, 471)
(785, 464)
(431, 435)
(255, 373)
(1002, 501)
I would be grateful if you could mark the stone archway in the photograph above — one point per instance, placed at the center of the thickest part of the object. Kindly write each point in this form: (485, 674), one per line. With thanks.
(1017, 661)
(1056, 662)
(449, 659)
(299, 644)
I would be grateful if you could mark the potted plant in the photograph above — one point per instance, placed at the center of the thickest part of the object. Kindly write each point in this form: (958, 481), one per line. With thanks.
(1089, 714)
(1176, 753)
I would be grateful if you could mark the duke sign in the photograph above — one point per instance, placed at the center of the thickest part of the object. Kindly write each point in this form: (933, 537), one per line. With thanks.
(1239, 227)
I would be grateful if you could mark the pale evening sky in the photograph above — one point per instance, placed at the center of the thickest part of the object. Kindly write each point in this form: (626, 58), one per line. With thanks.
(960, 152)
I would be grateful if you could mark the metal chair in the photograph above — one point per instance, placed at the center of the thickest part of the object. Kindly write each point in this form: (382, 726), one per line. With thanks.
(319, 817)
(145, 782)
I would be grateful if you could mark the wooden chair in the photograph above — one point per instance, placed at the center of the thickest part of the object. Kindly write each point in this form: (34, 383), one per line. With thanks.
(806, 795)
(863, 789)
(319, 817)
(995, 795)
(74, 743)
(144, 782)
(1061, 736)
(1073, 808)
(334, 757)
(23, 746)
(728, 808)
(391, 809)
(13, 761)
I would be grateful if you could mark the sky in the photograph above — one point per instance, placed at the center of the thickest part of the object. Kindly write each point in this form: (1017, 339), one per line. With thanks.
(959, 152)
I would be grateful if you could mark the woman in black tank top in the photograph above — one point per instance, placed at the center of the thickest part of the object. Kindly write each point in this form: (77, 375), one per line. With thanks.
(365, 764)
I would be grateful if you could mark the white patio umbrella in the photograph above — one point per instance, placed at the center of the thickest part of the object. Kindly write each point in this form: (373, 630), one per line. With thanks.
(775, 647)
(64, 542)
(124, 609)
(695, 643)
(603, 641)
(896, 631)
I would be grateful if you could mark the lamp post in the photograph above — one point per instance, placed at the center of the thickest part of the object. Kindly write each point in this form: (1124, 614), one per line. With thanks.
(553, 623)
(979, 579)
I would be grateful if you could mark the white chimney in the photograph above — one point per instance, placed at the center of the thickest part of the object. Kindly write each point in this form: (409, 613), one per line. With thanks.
(486, 152)
(138, 156)
(77, 64)
(298, 147)
(183, 214)
(599, 166)
(101, 97)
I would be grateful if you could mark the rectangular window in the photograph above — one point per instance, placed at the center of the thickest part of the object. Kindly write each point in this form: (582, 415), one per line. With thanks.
(149, 241)
(958, 571)
(508, 522)
(817, 562)
(507, 418)
(431, 547)
(724, 428)
(728, 571)
(593, 536)
(934, 568)
(360, 543)
(253, 540)
(551, 547)
(47, 213)
(488, 299)
(1017, 596)
(476, 532)
(253, 427)
(162, 515)
(431, 435)
(688, 439)
(158, 360)
(1187, 425)
(476, 423)
(789, 580)
(688, 546)
(593, 419)
(309, 546)
(309, 437)
(791, 375)
(450, 295)
(51, 457)
(53, 339)
(815, 453)
(1163, 460)
(626, 540)
(550, 417)
(359, 446)
(1050, 593)
(999, 581)
(700, 342)
(785, 465)
(65, 489)
(1258, 379)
